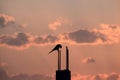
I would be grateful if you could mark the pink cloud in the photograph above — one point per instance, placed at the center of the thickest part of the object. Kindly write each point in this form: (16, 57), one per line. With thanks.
(5, 76)
(105, 34)
(5, 20)
(25, 40)
(88, 60)
(111, 76)
(9, 21)
(78, 76)
(18, 40)
(3, 64)
(58, 23)
(111, 32)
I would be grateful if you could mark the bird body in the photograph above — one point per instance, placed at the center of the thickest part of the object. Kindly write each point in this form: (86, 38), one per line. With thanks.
(56, 48)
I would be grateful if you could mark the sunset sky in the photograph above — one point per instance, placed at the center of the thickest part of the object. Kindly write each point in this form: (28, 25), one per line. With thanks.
(29, 29)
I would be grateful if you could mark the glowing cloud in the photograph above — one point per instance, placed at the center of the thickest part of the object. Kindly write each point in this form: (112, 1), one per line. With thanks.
(106, 34)
(88, 60)
(111, 76)
(76, 76)
(3, 64)
(4, 76)
(18, 40)
(9, 21)
(6, 20)
(111, 32)
(25, 40)
(58, 23)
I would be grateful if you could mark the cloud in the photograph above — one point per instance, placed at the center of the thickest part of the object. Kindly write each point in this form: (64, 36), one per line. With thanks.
(41, 77)
(31, 77)
(111, 32)
(85, 36)
(22, 76)
(48, 39)
(58, 23)
(97, 77)
(3, 64)
(6, 20)
(88, 60)
(9, 21)
(78, 76)
(105, 34)
(25, 40)
(23, 25)
(4, 74)
(111, 76)
(18, 40)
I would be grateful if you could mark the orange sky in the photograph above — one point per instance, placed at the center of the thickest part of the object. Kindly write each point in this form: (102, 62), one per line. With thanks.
(29, 29)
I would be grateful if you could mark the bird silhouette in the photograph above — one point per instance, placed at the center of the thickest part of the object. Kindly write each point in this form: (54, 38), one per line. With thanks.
(56, 48)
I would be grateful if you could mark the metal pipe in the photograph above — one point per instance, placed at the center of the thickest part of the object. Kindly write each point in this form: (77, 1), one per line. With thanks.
(59, 60)
(67, 58)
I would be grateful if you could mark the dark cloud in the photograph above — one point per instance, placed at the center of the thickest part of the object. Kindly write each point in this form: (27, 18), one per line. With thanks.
(46, 39)
(88, 60)
(85, 36)
(82, 36)
(31, 77)
(38, 40)
(40, 77)
(96, 77)
(4, 74)
(9, 21)
(113, 26)
(107, 34)
(20, 77)
(18, 40)
(113, 76)
(51, 39)
(24, 40)
(6, 20)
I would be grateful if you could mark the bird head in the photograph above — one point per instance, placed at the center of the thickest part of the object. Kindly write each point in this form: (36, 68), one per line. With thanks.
(57, 47)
